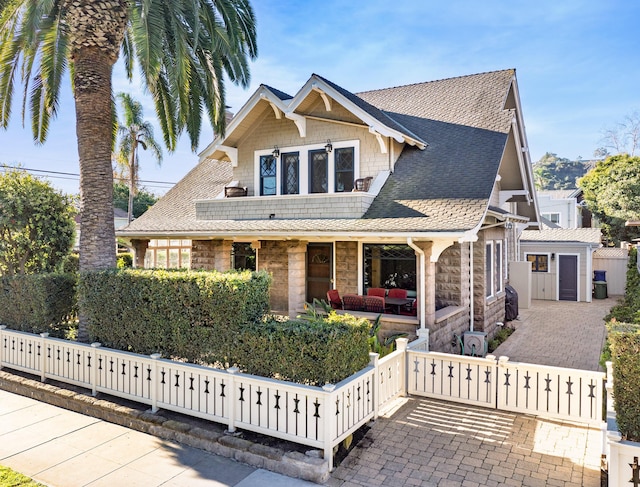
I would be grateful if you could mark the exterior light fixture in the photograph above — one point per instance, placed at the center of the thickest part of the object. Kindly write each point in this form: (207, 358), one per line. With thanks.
(553, 256)
(276, 152)
(508, 225)
(329, 147)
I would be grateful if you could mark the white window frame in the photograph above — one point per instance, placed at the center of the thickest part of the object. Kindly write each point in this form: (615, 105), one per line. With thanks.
(549, 216)
(489, 265)
(548, 254)
(499, 265)
(303, 175)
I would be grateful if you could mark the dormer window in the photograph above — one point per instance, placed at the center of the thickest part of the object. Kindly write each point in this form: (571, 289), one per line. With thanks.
(308, 169)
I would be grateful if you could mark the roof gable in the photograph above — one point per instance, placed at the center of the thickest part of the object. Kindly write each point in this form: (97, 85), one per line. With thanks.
(380, 124)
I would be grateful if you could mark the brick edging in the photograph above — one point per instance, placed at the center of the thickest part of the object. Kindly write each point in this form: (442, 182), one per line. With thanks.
(293, 464)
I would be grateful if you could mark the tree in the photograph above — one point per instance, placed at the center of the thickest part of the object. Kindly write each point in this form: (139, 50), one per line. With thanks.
(183, 48)
(142, 201)
(612, 192)
(624, 137)
(552, 172)
(134, 133)
(36, 225)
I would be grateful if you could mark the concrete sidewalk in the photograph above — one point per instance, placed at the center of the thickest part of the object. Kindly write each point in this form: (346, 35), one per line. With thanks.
(62, 448)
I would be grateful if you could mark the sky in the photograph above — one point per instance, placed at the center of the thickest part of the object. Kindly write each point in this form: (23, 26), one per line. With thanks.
(576, 63)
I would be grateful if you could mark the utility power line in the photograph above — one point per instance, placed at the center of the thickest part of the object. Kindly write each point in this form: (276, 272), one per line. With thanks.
(76, 177)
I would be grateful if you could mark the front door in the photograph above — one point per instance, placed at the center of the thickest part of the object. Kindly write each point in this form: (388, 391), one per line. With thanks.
(568, 277)
(319, 268)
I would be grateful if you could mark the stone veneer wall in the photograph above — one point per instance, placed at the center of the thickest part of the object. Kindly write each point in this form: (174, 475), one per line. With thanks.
(441, 334)
(203, 254)
(487, 312)
(346, 278)
(273, 257)
(452, 281)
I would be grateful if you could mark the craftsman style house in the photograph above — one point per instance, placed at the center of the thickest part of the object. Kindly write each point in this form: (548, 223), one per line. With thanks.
(424, 187)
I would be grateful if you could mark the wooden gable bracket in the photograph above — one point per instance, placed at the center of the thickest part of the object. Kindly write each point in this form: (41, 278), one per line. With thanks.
(300, 121)
(323, 95)
(438, 246)
(276, 110)
(380, 138)
(232, 154)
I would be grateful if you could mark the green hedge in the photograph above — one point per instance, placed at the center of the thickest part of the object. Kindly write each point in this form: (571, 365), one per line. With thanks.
(37, 303)
(219, 319)
(185, 314)
(625, 354)
(628, 309)
(308, 351)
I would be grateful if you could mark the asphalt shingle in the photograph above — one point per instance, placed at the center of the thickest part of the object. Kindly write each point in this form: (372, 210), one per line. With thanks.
(445, 187)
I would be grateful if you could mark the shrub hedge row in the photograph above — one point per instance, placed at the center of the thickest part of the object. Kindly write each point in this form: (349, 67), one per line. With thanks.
(623, 349)
(624, 341)
(181, 314)
(308, 351)
(37, 303)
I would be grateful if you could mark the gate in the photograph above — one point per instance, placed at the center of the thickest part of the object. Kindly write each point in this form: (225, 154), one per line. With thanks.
(551, 392)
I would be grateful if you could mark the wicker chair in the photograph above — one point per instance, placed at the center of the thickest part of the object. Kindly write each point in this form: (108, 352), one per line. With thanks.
(374, 304)
(234, 191)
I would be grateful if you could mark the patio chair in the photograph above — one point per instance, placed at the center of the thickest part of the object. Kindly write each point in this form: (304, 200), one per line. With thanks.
(333, 296)
(377, 291)
(353, 302)
(410, 310)
(362, 184)
(374, 304)
(234, 191)
(397, 293)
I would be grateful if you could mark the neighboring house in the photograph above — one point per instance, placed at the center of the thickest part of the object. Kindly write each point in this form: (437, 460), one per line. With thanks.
(561, 262)
(120, 220)
(424, 187)
(563, 209)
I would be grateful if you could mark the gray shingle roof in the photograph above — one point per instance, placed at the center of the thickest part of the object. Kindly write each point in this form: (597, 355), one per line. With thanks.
(584, 235)
(466, 127)
(445, 187)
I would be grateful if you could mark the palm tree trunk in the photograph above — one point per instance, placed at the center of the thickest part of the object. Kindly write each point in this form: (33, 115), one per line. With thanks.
(92, 81)
(132, 179)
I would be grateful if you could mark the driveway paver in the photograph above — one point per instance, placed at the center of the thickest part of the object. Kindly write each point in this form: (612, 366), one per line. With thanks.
(427, 442)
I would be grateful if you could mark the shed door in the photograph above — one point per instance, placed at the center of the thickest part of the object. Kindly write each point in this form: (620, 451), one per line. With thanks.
(568, 277)
(319, 267)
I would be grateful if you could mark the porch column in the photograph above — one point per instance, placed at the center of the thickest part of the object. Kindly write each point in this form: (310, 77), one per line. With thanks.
(139, 252)
(426, 295)
(223, 255)
(296, 253)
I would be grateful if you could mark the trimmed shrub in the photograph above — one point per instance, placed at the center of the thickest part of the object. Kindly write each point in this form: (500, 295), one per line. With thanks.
(37, 303)
(124, 260)
(628, 309)
(184, 314)
(71, 263)
(625, 355)
(309, 351)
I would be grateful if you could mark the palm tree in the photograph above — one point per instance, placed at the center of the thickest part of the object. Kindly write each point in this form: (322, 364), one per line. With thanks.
(134, 133)
(183, 48)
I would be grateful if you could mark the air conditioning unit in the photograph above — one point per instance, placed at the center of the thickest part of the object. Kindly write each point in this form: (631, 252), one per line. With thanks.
(475, 343)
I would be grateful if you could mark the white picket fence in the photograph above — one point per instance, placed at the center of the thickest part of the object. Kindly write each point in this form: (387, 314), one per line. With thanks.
(551, 392)
(320, 417)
